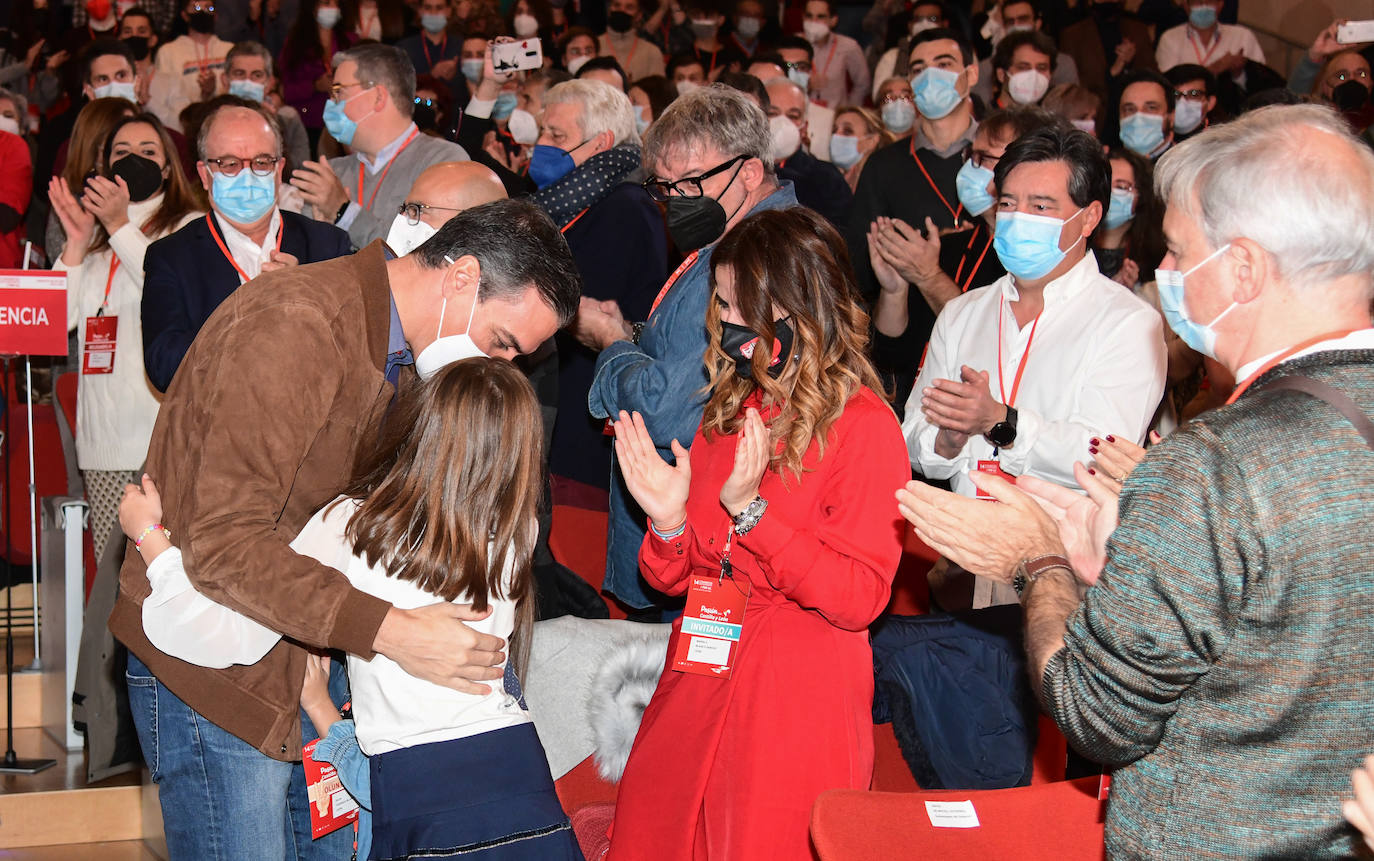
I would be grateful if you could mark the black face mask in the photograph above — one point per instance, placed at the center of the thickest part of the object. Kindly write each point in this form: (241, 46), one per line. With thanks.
(695, 222)
(1110, 260)
(138, 45)
(739, 342)
(426, 118)
(202, 22)
(1350, 96)
(142, 175)
(620, 22)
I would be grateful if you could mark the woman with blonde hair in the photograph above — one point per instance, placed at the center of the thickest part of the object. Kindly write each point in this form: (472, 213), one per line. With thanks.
(779, 529)
(135, 193)
(858, 133)
(93, 126)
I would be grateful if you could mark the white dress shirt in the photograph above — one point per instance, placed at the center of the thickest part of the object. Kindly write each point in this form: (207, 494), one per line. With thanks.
(374, 167)
(1182, 44)
(250, 255)
(1096, 366)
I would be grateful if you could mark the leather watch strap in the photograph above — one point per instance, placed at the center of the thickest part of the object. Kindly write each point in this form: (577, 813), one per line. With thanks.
(1030, 569)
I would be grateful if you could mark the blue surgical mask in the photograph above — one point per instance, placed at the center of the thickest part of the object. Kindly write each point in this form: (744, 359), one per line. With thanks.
(899, 115)
(246, 89)
(972, 183)
(116, 90)
(1201, 337)
(1142, 133)
(844, 151)
(549, 164)
(1028, 245)
(245, 197)
(434, 24)
(937, 92)
(1120, 210)
(504, 107)
(1202, 17)
(641, 121)
(798, 77)
(1187, 116)
(472, 68)
(341, 126)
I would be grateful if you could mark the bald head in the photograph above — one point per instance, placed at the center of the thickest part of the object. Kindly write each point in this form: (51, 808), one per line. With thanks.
(453, 186)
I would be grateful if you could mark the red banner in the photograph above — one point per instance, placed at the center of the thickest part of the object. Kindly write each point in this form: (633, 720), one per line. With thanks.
(33, 312)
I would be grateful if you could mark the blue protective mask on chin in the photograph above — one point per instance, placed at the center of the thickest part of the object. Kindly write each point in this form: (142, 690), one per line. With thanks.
(1142, 133)
(899, 115)
(937, 92)
(1201, 337)
(1028, 245)
(245, 197)
(972, 183)
(341, 126)
(1120, 210)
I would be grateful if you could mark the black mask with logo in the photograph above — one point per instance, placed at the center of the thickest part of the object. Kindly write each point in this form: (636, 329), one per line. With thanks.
(138, 45)
(620, 22)
(739, 342)
(201, 22)
(142, 175)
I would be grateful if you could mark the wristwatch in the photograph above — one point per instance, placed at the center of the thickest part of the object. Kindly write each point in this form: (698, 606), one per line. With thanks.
(342, 209)
(1028, 570)
(1003, 434)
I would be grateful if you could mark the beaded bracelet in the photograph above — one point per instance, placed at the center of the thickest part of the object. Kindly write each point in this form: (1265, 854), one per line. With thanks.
(138, 543)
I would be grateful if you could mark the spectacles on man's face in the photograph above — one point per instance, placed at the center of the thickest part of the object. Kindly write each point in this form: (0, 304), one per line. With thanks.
(1195, 95)
(1349, 75)
(230, 165)
(800, 66)
(336, 92)
(413, 211)
(689, 186)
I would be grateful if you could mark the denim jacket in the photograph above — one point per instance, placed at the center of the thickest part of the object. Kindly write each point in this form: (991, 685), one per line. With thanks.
(664, 379)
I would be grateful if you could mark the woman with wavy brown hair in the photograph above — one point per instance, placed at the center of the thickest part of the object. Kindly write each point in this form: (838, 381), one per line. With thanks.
(782, 511)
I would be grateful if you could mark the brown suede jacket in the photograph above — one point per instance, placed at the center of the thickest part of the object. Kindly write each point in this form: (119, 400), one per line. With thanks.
(257, 432)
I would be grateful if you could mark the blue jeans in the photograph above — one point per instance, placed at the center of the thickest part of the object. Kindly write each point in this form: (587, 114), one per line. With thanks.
(222, 799)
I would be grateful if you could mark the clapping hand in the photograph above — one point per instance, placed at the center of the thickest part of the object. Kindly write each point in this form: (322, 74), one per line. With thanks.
(660, 489)
(751, 459)
(915, 257)
(965, 406)
(1116, 457)
(77, 222)
(1084, 522)
(320, 188)
(107, 200)
(1359, 811)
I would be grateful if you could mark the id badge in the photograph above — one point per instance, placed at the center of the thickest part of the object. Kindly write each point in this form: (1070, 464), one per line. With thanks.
(994, 468)
(331, 807)
(711, 625)
(99, 349)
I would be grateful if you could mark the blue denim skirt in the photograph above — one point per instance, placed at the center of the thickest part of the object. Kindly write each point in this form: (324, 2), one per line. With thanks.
(487, 797)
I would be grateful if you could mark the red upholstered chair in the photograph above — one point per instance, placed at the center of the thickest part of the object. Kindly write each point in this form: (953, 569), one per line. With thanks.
(1060, 821)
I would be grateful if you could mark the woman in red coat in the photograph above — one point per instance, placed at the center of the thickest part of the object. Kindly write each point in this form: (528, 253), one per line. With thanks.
(786, 498)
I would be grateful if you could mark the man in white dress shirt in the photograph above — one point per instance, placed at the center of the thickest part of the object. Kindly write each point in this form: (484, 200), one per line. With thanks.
(1022, 376)
(1222, 48)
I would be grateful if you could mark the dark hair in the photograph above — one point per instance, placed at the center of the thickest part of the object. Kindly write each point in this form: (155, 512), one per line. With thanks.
(609, 63)
(1019, 120)
(937, 34)
(1273, 96)
(1181, 74)
(749, 85)
(795, 42)
(140, 12)
(1001, 56)
(1147, 76)
(939, 4)
(384, 66)
(685, 59)
(470, 533)
(829, 4)
(104, 48)
(391, 14)
(660, 91)
(1145, 236)
(517, 247)
(303, 41)
(570, 34)
(1090, 176)
(543, 16)
(179, 195)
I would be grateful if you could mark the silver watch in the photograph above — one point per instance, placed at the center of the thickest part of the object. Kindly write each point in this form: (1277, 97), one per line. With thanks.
(750, 516)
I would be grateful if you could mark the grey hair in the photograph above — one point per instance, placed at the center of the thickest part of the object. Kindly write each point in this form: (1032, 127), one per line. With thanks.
(386, 66)
(1259, 177)
(21, 105)
(250, 49)
(604, 108)
(208, 124)
(786, 82)
(716, 116)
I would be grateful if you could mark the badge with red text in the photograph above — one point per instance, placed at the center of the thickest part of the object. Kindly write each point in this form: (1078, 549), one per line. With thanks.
(99, 348)
(711, 625)
(331, 807)
(993, 468)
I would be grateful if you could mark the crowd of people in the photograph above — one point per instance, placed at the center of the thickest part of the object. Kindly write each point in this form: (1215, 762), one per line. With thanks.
(735, 274)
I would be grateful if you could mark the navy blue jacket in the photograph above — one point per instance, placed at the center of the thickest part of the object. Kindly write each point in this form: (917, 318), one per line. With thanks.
(186, 277)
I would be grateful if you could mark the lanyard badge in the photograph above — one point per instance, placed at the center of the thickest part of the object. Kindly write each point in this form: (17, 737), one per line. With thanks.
(712, 621)
(98, 353)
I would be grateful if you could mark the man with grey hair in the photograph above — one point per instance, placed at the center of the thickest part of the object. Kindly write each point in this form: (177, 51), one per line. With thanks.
(369, 111)
(1219, 657)
(709, 159)
(250, 74)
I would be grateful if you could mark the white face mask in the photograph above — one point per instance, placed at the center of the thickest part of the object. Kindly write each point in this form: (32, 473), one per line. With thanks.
(9, 124)
(577, 62)
(523, 127)
(525, 25)
(786, 137)
(1027, 87)
(404, 237)
(445, 350)
(117, 90)
(815, 31)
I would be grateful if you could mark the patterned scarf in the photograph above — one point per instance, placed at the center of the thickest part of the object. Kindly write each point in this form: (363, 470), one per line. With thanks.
(588, 183)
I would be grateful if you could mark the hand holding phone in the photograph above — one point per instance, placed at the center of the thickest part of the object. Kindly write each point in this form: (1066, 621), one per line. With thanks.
(518, 56)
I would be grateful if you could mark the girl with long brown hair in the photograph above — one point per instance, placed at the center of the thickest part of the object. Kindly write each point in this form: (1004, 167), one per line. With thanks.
(136, 194)
(444, 509)
(778, 526)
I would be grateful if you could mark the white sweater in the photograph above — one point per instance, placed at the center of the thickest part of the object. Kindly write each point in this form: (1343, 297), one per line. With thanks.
(115, 411)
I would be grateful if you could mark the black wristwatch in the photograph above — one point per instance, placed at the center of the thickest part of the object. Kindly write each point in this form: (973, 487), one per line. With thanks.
(1003, 434)
(342, 209)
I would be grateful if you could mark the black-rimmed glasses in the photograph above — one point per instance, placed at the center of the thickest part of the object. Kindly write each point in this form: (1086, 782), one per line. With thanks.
(413, 211)
(689, 186)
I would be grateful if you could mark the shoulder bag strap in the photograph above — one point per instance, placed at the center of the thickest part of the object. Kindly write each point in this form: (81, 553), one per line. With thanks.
(1336, 398)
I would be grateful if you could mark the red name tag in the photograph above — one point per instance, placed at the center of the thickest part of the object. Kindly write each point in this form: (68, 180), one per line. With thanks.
(994, 468)
(98, 354)
(331, 807)
(712, 623)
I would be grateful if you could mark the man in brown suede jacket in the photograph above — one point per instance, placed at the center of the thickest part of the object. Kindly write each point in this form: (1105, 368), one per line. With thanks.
(259, 430)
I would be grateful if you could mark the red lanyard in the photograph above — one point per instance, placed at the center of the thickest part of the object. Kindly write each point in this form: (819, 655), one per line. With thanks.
(634, 46)
(225, 249)
(1021, 369)
(565, 228)
(443, 43)
(1201, 57)
(1267, 366)
(952, 211)
(114, 267)
(672, 279)
(830, 58)
(713, 61)
(362, 170)
(972, 273)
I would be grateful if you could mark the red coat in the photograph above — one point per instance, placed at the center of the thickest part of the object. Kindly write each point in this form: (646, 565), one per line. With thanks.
(16, 187)
(729, 769)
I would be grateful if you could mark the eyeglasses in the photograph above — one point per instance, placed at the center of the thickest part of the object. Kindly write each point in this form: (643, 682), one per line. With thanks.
(229, 165)
(894, 97)
(689, 186)
(800, 66)
(424, 103)
(202, 7)
(1195, 95)
(413, 211)
(1351, 75)
(336, 91)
